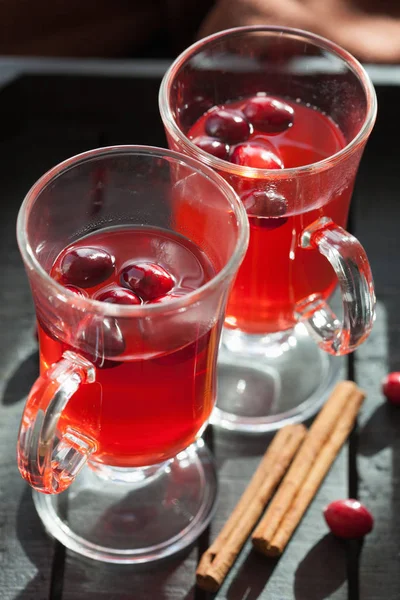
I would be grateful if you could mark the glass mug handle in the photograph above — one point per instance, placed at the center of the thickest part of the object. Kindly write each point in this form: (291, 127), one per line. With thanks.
(47, 461)
(350, 263)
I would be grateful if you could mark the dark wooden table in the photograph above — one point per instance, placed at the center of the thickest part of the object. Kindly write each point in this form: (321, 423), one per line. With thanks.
(51, 110)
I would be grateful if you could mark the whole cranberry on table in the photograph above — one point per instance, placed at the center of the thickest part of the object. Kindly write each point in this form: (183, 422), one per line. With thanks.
(348, 519)
(391, 388)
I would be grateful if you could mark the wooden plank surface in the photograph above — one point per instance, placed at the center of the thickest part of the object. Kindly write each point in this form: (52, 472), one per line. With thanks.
(315, 565)
(378, 219)
(172, 580)
(26, 553)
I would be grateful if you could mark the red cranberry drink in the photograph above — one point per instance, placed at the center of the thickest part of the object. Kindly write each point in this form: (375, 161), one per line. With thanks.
(130, 305)
(150, 407)
(283, 115)
(266, 132)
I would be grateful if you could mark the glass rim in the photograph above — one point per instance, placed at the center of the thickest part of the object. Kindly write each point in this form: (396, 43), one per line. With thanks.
(241, 171)
(118, 310)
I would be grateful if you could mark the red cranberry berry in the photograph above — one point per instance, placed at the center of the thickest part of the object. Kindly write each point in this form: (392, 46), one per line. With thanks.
(171, 296)
(86, 267)
(45, 325)
(348, 519)
(100, 338)
(119, 295)
(269, 115)
(212, 146)
(190, 112)
(265, 208)
(148, 280)
(229, 126)
(391, 388)
(259, 155)
(188, 352)
(76, 291)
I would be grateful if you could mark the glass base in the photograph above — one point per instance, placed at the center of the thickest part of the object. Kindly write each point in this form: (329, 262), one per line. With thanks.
(267, 381)
(120, 518)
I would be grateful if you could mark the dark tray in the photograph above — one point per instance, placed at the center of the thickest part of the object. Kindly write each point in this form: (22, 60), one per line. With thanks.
(53, 109)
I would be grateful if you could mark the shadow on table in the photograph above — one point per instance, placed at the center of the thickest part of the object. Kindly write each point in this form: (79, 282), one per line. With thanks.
(380, 431)
(251, 578)
(227, 445)
(37, 546)
(85, 578)
(75, 577)
(21, 381)
(322, 571)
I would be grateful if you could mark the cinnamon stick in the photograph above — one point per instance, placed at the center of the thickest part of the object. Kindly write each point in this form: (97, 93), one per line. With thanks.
(313, 461)
(220, 556)
(315, 478)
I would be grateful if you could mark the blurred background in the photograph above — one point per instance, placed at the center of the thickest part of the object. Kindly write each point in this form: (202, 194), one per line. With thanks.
(370, 29)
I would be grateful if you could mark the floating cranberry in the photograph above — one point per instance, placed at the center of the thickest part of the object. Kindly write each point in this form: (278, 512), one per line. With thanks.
(212, 146)
(391, 387)
(188, 352)
(259, 155)
(193, 110)
(148, 280)
(348, 519)
(269, 223)
(99, 339)
(45, 326)
(171, 296)
(269, 115)
(265, 208)
(86, 267)
(76, 291)
(229, 126)
(119, 295)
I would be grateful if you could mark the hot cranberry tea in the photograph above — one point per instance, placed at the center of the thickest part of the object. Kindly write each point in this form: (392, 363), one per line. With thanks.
(266, 132)
(148, 402)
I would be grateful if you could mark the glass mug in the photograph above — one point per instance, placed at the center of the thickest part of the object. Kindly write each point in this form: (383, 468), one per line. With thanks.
(126, 389)
(270, 369)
